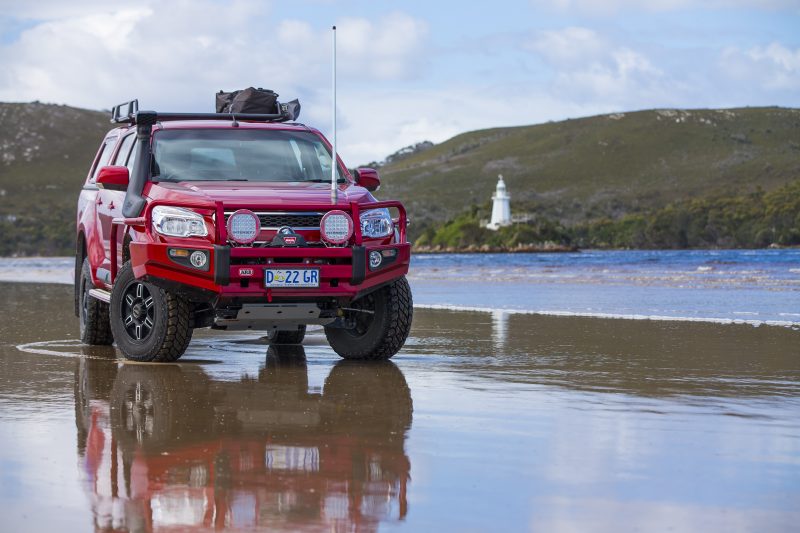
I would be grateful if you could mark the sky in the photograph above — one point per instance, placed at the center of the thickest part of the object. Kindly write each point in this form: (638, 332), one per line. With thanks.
(407, 71)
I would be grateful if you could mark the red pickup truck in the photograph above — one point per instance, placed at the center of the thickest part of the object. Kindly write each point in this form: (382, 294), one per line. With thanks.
(232, 221)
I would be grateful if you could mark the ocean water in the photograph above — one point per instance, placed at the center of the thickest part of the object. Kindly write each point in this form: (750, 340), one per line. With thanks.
(750, 286)
(729, 286)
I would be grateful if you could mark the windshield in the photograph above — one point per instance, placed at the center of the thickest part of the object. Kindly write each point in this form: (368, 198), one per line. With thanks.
(240, 155)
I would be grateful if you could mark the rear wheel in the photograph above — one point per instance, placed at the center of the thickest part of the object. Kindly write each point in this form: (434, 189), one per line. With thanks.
(149, 323)
(282, 336)
(93, 314)
(381, 322)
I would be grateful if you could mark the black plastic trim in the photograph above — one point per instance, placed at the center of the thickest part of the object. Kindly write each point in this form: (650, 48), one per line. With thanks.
(385, 261)
(185, 262)
(359, 265)
(222, 265)
(134, 202)
(191, 293)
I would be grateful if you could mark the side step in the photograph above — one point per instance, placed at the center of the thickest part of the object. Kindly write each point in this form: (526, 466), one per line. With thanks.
(100, 294)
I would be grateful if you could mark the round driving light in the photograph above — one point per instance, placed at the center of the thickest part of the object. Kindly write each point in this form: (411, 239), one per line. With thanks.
(375, 259)
(198, 259)
(243, 226)
(336, 227)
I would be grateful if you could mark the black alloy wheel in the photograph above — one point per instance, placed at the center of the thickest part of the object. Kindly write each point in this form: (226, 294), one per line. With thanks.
(137, 311)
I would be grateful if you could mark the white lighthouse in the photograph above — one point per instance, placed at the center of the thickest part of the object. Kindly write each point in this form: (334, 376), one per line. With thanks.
(501, 208)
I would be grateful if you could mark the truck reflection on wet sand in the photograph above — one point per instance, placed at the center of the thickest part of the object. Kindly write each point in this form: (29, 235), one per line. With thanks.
(168, 447)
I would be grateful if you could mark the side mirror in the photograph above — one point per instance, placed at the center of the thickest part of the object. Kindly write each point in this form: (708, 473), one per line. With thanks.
(113, 178)
(368, 178)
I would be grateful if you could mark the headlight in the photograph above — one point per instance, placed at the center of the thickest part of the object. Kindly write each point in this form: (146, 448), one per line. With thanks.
(177, 222)
(376, 223)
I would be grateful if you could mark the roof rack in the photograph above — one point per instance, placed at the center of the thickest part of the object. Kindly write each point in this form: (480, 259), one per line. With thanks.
(131, 108)
(131, 115)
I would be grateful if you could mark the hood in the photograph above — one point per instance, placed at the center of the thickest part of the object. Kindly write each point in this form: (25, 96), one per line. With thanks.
(257, 194)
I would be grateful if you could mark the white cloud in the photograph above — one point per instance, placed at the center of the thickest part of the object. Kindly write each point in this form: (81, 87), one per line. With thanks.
(773, 67)
(55, 9)
(610, 7)
(384, 121)
(569, 46)
(167, 51)
(613, 6)
(589, 66)
(177, 54)
(638, 513)
(389, 48)
(382, 48)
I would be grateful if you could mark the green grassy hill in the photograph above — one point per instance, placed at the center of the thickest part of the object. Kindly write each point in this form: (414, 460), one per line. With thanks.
(571, 172)
(45, 152)
(605, 166)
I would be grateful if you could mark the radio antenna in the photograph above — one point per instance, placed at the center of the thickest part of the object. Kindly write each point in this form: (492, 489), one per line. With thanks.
(334, 162)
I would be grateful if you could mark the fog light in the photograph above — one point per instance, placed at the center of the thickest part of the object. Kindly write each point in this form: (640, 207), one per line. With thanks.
(336, 227)
(243, 226)
(198, 259)
(375, 259)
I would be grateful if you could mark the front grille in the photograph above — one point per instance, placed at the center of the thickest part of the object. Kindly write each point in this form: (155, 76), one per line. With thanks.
(293, 220)
(275, 220)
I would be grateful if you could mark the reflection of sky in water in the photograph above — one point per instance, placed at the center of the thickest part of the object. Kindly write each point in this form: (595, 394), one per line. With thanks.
(555, 452)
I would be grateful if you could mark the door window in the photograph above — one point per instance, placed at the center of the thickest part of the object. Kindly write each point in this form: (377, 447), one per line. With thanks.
(124, 150)
(105, 155)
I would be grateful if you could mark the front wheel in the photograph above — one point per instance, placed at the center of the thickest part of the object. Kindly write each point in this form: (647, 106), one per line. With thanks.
(149, 323)
(381, 322)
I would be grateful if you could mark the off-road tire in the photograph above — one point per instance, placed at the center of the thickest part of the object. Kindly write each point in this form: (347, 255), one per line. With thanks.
(380, 335)
(282, 336)
(367, 399)
(170, 332)
(92, 313)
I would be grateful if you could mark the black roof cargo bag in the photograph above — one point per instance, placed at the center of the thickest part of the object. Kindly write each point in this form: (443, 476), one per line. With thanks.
(250, 100)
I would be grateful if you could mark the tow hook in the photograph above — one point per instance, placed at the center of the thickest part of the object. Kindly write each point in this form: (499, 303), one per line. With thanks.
(354, 310)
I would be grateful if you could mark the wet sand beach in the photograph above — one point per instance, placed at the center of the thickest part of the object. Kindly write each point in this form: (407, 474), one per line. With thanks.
(483, 422)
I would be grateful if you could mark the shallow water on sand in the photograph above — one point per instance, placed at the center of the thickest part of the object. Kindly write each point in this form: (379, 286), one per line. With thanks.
(483, 422)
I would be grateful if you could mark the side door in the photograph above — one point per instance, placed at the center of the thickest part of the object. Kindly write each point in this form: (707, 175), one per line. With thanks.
(103, 158)
(109, 203)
